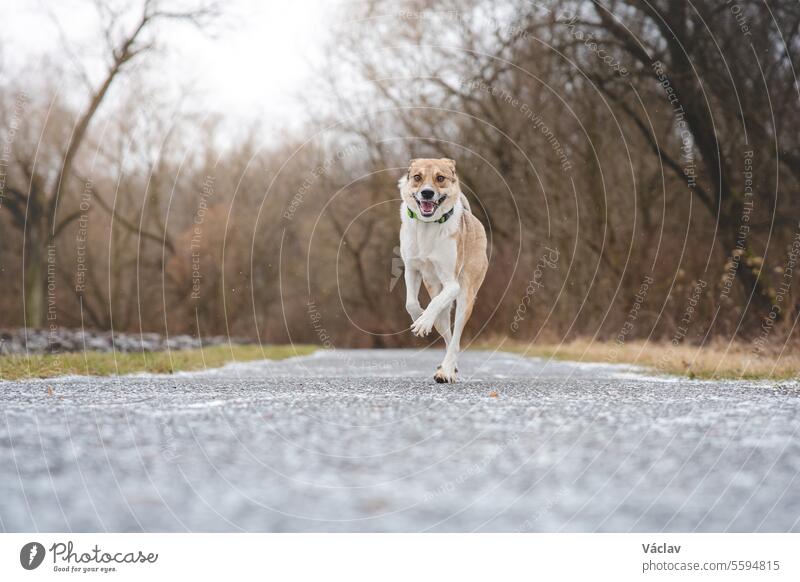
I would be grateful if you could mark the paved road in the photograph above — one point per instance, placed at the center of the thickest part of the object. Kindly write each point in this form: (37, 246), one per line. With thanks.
(366, 441)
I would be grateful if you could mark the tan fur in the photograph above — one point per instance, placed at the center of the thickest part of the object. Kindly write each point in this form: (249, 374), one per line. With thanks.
(471, 245)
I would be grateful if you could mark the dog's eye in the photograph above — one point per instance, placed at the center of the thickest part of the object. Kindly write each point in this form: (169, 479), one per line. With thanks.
(440, 179)
(417, 177)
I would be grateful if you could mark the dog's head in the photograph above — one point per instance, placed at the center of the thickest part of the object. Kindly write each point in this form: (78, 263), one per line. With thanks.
(430, 188)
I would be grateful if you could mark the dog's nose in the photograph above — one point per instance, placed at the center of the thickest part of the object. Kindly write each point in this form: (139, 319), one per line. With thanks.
(427, 194)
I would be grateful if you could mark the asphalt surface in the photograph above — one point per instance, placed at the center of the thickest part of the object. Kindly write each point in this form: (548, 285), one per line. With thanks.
(366, 441)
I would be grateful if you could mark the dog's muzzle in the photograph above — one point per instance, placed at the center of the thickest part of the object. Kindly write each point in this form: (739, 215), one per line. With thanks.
(427, 204)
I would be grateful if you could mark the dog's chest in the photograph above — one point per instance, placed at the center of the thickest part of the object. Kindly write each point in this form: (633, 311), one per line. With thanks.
(428, 245)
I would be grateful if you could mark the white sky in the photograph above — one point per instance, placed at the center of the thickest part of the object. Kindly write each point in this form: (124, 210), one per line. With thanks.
(252, 70)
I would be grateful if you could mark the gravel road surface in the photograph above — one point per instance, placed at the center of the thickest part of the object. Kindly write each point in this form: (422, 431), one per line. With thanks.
(364, 440)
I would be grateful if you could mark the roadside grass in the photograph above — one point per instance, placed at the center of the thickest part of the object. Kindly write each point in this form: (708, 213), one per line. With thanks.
(717, 360)
(20, 367)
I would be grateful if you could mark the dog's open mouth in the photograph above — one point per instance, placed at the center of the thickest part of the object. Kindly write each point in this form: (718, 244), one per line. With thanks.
(427, 207)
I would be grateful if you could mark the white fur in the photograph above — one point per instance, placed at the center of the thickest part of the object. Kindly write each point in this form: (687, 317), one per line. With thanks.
(429, 253)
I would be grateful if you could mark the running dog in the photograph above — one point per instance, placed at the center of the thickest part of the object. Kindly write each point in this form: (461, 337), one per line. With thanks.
(443, 246)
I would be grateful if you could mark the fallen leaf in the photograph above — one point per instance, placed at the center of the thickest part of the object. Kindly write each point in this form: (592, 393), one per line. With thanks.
(493, 394)
(50, 391)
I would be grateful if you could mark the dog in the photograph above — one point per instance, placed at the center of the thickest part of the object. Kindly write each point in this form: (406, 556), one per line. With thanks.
(442, 245)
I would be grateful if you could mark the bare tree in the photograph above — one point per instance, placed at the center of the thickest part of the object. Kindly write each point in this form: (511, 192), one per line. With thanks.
(698, 58)
(34, 202)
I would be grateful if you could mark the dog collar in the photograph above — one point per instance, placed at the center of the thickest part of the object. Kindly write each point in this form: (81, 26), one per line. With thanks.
(441, 220)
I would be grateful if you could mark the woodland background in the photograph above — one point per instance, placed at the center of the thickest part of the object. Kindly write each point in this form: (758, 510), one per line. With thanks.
(635, 163)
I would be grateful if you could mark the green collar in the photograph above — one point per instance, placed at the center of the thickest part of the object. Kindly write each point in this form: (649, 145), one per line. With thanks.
(441, 220)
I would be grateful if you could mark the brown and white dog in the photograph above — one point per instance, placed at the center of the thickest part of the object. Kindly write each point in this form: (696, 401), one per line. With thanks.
(444, 246)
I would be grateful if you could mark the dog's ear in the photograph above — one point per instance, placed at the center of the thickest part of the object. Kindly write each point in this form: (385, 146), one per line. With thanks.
(450, 163)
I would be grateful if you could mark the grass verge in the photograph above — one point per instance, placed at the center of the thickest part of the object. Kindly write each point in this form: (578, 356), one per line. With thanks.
(110, 364)
(714, 361)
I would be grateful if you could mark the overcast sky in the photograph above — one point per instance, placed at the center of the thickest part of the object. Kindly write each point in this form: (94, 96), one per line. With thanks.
(251, 71)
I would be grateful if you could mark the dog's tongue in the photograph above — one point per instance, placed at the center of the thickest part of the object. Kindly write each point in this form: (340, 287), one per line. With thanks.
(426, 206)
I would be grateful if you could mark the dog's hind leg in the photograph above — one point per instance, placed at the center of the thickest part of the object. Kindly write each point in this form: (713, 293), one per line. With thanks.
(446, 372)
(442, 325)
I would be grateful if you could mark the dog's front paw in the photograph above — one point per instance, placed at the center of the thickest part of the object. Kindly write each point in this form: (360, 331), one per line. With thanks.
(422, 326)
(445, 376)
